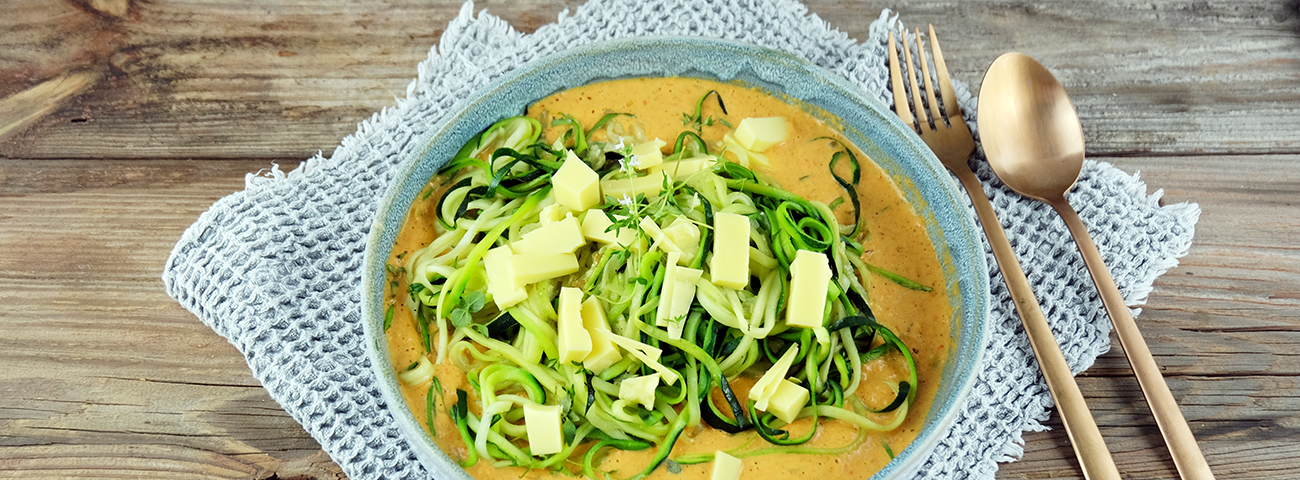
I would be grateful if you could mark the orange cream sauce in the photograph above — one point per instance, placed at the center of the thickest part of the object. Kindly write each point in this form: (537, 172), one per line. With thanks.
(894, 239)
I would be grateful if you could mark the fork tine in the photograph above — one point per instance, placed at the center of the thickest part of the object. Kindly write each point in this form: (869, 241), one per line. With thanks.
(945, 82)
(925, 77)
(896, 77)
(917, 104)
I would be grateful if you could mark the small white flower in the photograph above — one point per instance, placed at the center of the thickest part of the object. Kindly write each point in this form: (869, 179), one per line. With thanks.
(628, 164)
(626, 200)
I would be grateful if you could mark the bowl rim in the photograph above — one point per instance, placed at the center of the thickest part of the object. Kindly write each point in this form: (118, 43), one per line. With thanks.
(970, 316)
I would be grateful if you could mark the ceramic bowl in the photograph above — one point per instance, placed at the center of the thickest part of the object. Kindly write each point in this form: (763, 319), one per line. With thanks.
(866, 123)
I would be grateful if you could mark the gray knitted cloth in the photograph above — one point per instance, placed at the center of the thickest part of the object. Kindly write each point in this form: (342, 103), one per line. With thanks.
(276, 268)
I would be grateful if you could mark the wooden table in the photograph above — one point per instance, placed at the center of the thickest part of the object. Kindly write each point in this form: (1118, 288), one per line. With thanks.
(122, 120)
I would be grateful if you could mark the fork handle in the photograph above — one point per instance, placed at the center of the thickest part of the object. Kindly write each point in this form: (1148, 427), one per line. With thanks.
(1178, 435)
(1089, 447)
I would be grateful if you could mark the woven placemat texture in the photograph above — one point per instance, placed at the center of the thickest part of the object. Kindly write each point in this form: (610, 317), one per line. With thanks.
(276, 268)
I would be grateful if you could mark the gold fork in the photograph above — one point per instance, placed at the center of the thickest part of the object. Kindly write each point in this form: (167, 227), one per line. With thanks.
(952, 142)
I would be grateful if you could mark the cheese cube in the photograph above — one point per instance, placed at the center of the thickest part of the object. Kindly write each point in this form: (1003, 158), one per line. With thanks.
(742, 155)
(686, 236)
(810, 275)
(681, 229)
(535, 268)
(646, 354)
(577, 187)
(650, 185)
(759, 134)
(686, 166)
(725, 466)
(657, 234)
(676, 295)
(603, 352)
(666, 291)
(501, 278)
(762, 391)
(633, 346)
(552, 213)
(564, 236)
(730, 265)
(573, 341)
(647, 154)
(683, 296)
(542, 423)
(595, 227)
(639, 389)
(787, 401)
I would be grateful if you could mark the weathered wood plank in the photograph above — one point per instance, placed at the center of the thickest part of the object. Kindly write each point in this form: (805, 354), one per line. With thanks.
(1245, 262)
(137, 377)
(122, 382)
(286, 80)
(105, 376)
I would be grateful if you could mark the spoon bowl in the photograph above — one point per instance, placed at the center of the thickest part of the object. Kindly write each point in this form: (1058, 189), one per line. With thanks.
(1034, 143)
(1030, 127)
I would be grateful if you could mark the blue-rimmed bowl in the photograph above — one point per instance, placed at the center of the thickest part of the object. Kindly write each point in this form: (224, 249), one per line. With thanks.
(866, 123)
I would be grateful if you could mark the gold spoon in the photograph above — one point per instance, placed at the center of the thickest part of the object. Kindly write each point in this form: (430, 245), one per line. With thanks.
(1034, 143)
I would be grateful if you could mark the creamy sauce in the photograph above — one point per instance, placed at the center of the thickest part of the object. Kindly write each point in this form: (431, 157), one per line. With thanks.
(896, 241)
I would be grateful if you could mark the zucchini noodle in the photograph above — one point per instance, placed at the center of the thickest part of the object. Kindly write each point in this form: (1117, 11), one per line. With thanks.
(501, 186)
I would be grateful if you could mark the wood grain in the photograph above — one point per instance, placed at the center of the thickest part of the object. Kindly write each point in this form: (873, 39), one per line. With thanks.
(1167, 77)
(107, 377)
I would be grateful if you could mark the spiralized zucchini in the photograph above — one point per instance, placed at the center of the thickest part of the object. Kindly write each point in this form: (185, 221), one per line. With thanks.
(494, 191)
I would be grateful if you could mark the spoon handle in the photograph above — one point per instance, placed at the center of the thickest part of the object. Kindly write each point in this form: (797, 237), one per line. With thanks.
(1178, 436)
(1089, 447)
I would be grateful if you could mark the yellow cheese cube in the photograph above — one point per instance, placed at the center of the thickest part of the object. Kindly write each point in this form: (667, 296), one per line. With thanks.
(639, 389)
(595, 227)
(683, 296)
(650, 185)
(657, 234)
(501, 278)
(577, 187)
(740, 154)
(725, 466)
(759, 134)
(646, 354)
(564, 236)
(676, 295)
(552, 213)
(810, 275)
(535, 268)
(647, 154)
(686, 236)
(686, 166)
(572, 339)
(542, 423)
(730, 265)
(787, 401)
(633, 346)
(666, 291)
(761, 392)
(603, 352)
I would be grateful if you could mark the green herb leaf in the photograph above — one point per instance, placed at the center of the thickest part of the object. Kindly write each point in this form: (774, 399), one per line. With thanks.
(388, 317)
(473, 301)
(569, 431)
(460, 318)
(672, 466)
